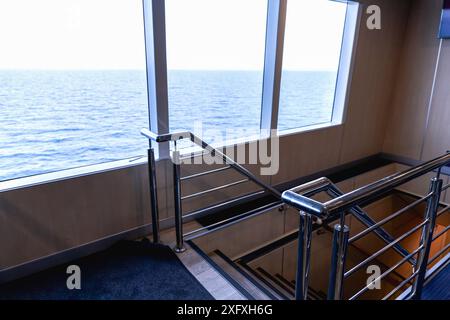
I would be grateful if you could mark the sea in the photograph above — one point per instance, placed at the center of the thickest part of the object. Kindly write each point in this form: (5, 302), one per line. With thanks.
(57, 120)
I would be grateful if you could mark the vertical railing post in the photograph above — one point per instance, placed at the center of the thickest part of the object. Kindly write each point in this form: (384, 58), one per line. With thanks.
(177, 203)
(427, 237)
(153, 194)
(338, 256)
(303, 258)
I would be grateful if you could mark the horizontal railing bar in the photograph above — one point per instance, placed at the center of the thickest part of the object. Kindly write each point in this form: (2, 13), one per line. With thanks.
(364, 194)
(440, 252)
(359, 214)
(381, 277)
(201, 193)
(441, 233)
(384, 249)
(441, 212)
(221, 206)
(312, 186)
(379, 187)
(387, 219)
(403, 283)
(201, 174)
(230, 221)
(215, 152)
(165, 137)
(445, 187)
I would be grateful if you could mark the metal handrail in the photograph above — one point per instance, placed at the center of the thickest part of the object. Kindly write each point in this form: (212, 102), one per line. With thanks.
(343, 204)
(201, 193)
(389, 218)
(383, 250)
(177, 179)
(386, 273)
(326, 185)
(201, 174)
(193, 138)
(361, 195)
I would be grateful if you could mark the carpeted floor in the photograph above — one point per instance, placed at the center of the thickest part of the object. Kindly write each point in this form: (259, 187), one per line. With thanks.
(126, 271)
(439, 287)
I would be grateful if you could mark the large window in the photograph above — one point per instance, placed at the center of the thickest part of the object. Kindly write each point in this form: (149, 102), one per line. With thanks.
(215, 56)
(312, 50)
(72, 84)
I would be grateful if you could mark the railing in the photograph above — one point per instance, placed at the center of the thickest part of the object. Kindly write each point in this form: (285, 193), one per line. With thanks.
(349, 204)
(177, 179)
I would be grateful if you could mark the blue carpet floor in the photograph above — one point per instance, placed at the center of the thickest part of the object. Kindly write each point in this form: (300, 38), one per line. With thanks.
(126, 271)
(439, 287)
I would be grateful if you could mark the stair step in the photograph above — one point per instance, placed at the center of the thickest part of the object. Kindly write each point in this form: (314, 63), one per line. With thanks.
(285, 291)
(240, 278)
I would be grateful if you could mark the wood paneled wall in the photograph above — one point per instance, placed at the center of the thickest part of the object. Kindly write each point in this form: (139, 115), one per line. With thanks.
(419, 122)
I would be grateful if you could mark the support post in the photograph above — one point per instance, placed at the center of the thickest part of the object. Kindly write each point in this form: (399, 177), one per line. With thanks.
(338, 256)
(156, 63)
(427, 237)
(273, 61)
(177, 203)
(153, 194)
(303, 257)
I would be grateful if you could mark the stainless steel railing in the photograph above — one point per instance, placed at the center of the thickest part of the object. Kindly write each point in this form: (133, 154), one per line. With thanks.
(346, 204)
(178, 179)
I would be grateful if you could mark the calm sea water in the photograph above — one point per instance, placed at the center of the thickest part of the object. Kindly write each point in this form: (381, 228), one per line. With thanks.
(55, 120)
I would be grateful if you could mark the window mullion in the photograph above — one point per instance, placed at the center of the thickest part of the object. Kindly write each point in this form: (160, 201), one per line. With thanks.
(273, 63)
(157, 88)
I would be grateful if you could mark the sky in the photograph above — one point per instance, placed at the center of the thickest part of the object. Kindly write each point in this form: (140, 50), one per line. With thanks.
(201, 34)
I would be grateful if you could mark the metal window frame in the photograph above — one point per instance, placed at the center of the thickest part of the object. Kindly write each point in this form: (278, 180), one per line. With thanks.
(346, 61)
(157, 79)
(156, 61)
(273, 63)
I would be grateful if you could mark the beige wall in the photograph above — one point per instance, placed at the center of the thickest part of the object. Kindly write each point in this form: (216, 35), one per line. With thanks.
(48, 218)
(418, 129)
(45, 219)
(373, 81)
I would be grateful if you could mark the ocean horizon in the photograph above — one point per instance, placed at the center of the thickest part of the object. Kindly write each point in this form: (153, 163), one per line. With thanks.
(62, 119)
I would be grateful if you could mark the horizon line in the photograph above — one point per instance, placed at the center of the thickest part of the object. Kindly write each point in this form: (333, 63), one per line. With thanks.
(169, 70)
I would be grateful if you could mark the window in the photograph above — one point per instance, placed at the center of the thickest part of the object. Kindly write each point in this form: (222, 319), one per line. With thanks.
(215, 56)
(312, 50)
(72, 84)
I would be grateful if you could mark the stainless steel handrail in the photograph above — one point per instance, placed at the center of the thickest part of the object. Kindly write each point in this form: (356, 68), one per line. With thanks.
(193, 138)
(359, 196)
(343, 204)
(177, 179)
(389, 218)
(384, 249)
(201, 174)
(201, 193)
(386, 273)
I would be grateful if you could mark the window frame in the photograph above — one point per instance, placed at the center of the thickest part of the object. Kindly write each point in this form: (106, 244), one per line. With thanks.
(154, 22)
(157, 87)
(344, 74)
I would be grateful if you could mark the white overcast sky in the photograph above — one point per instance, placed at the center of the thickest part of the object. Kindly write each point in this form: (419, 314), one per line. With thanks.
(201, 34)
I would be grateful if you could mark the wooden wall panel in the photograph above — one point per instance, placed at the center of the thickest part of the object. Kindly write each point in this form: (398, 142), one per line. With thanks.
(437, 139)
(373, 81)
(307, 153)
(408, 111)
(57, 216)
